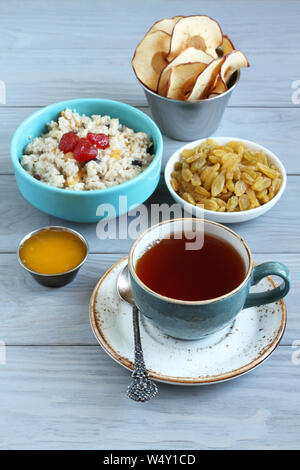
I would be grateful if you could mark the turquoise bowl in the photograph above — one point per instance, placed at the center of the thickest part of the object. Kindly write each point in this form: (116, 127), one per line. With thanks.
(81, 206)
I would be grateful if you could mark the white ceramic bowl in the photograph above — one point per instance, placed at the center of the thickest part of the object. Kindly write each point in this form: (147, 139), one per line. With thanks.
(225, 217)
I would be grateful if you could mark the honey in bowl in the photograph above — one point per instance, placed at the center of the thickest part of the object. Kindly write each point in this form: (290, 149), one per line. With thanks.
(171, 270)
(52, 251)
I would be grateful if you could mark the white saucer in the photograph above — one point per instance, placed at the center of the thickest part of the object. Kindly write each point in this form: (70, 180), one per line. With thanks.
(251, 338)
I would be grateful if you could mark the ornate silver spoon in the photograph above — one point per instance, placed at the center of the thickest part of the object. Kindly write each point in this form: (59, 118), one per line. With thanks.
(141, 387)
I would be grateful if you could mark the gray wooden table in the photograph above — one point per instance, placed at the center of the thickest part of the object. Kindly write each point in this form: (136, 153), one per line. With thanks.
(58, 389)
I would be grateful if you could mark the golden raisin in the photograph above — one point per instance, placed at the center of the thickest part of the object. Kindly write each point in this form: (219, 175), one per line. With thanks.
(217, 185)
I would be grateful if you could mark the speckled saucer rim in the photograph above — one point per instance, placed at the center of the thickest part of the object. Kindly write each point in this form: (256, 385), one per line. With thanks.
(172, 380)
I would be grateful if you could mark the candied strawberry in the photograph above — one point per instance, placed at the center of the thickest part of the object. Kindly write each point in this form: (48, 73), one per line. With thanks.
(68, 141)
(100, 140)
(84, 151)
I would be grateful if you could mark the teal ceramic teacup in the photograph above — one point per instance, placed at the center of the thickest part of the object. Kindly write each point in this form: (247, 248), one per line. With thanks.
(197, 319)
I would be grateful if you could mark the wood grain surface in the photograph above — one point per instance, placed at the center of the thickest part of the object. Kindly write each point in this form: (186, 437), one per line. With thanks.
(59, 390)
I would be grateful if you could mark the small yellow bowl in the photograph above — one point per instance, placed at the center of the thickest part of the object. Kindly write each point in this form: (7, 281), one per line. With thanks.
(56, 279)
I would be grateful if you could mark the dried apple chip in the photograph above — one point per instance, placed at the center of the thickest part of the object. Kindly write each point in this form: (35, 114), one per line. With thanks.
(150, 58)
(182, 79)
(201, 32)
(232, 62)
(226, 48)
(205, 80)
(227, 45)
(218, 87)
(166, 25)
(190, 55)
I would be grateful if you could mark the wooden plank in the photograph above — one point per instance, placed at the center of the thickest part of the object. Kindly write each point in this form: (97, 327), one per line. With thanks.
(18, 217)
(273, 232)
(36, 315)
(58, 74)
(82, 25)
(260, 125)
(74, 398)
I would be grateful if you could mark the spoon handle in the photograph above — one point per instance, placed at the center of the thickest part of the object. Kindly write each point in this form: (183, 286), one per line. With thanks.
(141, 387)
(139, 370)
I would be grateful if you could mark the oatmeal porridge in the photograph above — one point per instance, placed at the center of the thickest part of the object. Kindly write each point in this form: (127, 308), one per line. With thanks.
(85, 153)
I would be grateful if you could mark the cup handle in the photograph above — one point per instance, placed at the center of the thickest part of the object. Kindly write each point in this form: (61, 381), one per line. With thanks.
(267, 297)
